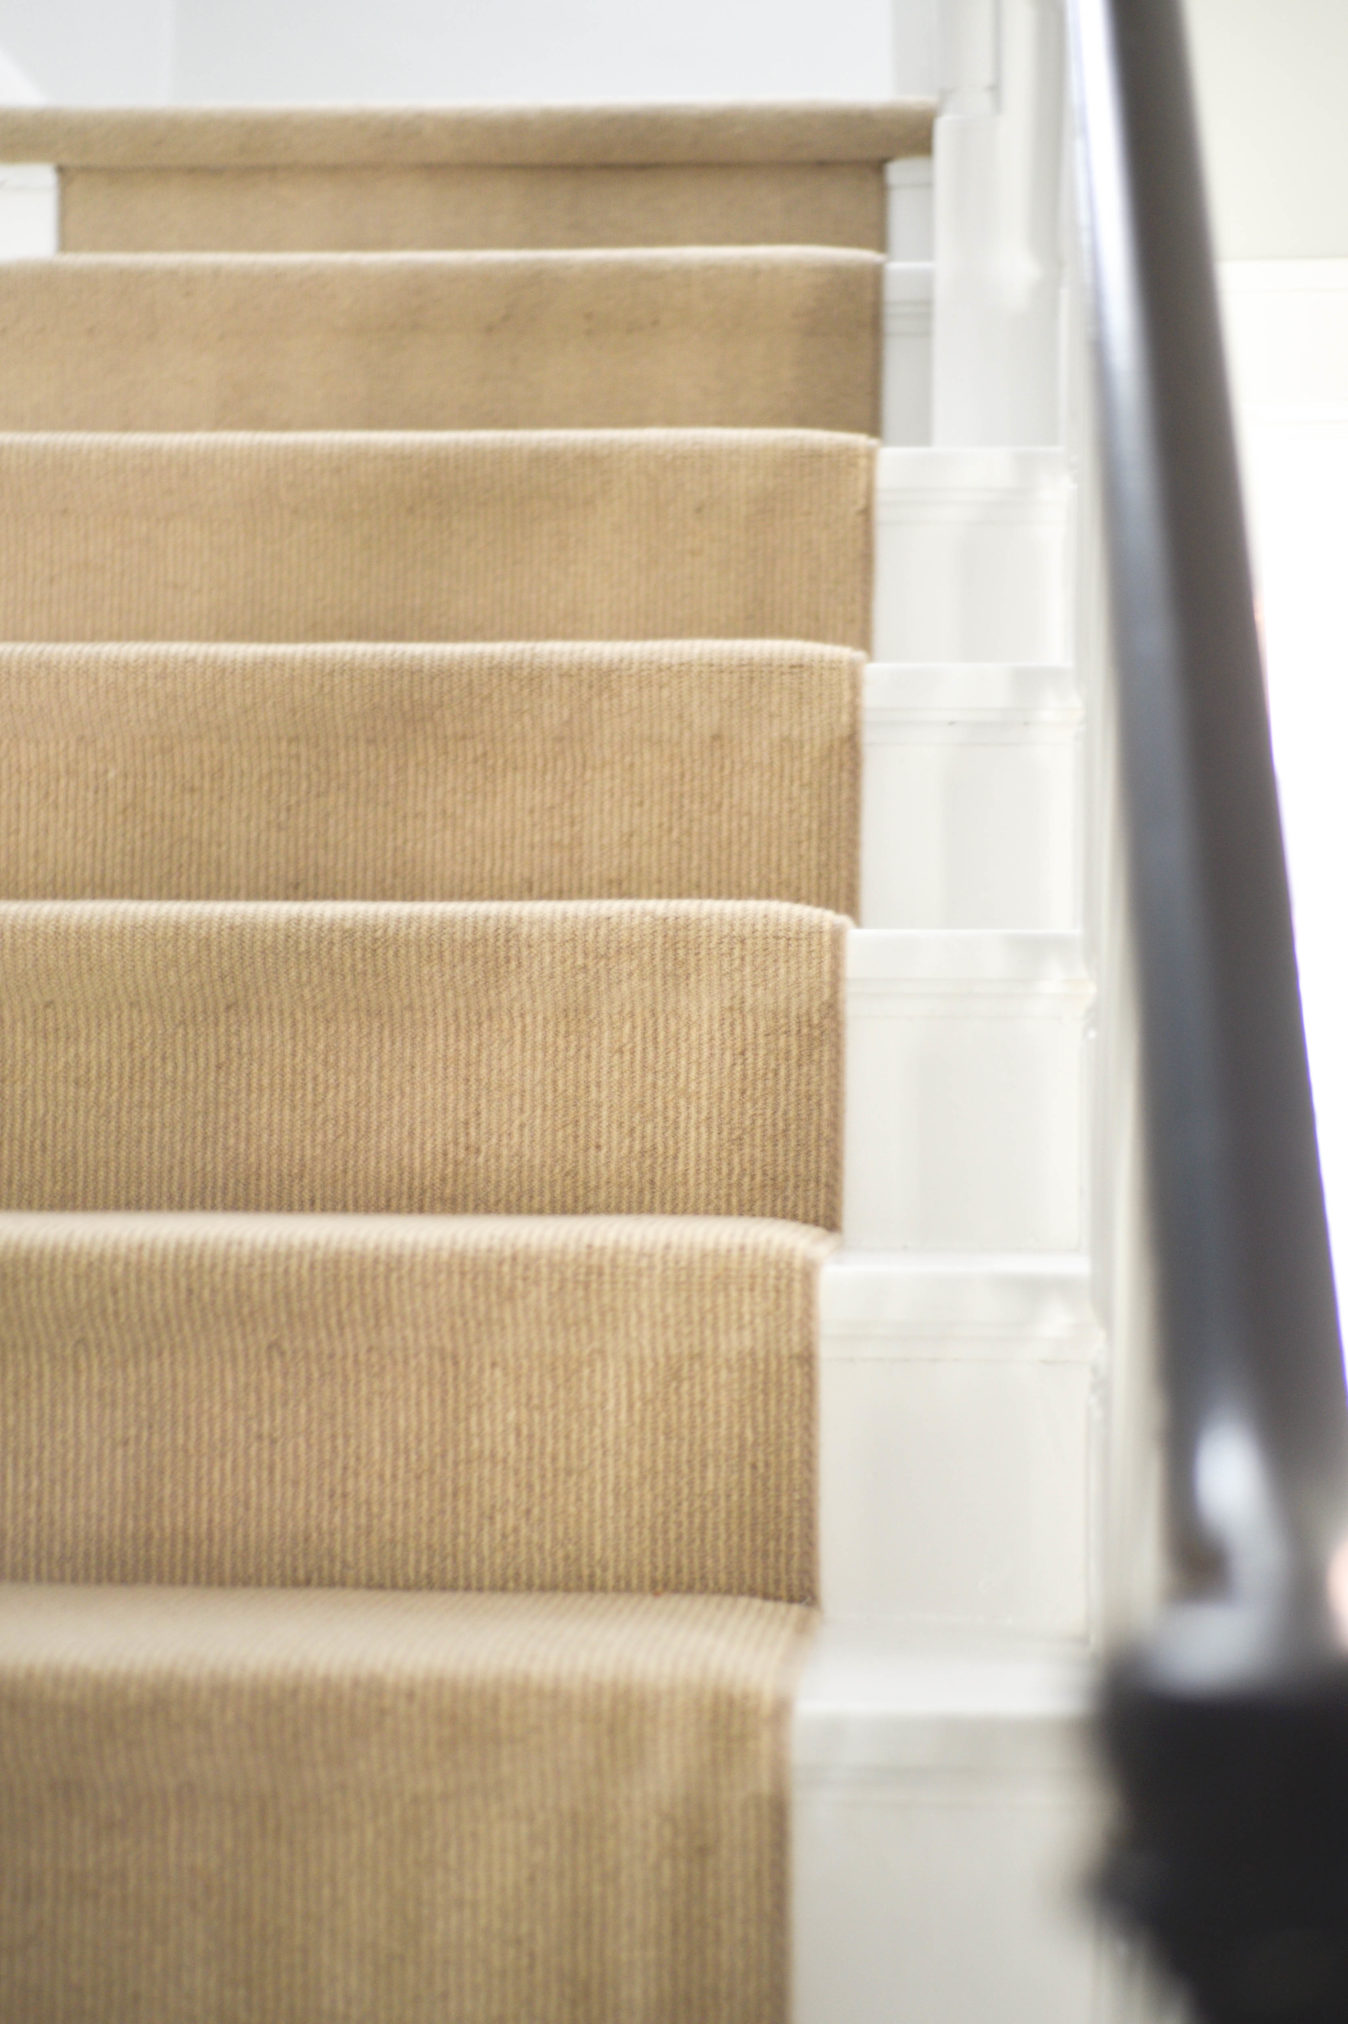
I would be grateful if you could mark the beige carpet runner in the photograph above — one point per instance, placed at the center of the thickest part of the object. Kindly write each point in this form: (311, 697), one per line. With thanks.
(304, 1805)
(377, 181)
(760, 338)
(671, 770)
(430, 654)
(484, 535)
(358, 1400)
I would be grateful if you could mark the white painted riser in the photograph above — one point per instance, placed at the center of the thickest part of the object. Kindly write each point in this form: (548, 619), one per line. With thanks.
(945, 1806)
(958, 1424)
(943, 1816)
(972, 556)
(971, 798)
(965, 1092)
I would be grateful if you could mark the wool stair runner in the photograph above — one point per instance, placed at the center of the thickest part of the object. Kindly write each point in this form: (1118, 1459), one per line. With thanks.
(663, 770)
(428, 698)
(377, 181)
(754, 337)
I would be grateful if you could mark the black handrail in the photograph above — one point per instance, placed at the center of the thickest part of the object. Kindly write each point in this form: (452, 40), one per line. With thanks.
(1228, 1731)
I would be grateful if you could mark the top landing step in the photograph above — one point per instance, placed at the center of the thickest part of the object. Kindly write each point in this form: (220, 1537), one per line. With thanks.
(348, 180)
(495, 136)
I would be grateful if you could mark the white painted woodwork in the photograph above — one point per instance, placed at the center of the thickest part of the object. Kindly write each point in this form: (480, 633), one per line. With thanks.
(964, 1092)
(909, 226)
(29, 211)
(905, 389)
(971, 798)
(959, 1413)
(998, 157)
(943, 1813)
(972, 555)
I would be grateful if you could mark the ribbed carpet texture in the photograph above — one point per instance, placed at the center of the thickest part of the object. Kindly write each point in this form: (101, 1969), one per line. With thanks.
(670, 770)
(285, 1807)
(328, 181)
(436, 588)
(278, 1400)
(479, 535)
(755, 338)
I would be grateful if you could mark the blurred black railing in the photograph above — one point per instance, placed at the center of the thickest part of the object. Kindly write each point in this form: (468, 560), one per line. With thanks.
(1227, 1732)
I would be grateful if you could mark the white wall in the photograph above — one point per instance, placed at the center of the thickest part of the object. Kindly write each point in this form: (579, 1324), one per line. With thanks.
(1271, 78)
(556, 50)
(89, 52)
(1270, 72)
(1287, 337)
(277, 51)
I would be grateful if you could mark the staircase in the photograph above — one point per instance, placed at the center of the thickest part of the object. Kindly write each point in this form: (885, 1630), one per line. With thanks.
(487, 1247)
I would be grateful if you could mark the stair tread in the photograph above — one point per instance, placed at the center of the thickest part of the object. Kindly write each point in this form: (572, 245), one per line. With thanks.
(468, 1057)
(735, 337)
(476, 535)
(476, 176)
(410, 1402)
(541, 136)
(529, 770)
(485, 1807)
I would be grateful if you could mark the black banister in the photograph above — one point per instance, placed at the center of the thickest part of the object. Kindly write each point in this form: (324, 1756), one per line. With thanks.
(1228, 1732)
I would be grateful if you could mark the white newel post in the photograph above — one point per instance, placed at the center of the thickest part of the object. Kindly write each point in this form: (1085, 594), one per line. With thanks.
(998, 225)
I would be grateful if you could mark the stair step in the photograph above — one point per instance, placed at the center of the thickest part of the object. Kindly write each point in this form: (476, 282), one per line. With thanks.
(410, 1402)
(531, 771)
(657, 1057)
(470, 177)
(594, 534)
(737, 338)
(303, 1804)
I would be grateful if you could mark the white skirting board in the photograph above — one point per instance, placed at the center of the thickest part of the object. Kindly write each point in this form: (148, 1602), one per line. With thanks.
(971, 798)
(944, 1815)
(959, 1464)
(965, 1092)
(972, 555)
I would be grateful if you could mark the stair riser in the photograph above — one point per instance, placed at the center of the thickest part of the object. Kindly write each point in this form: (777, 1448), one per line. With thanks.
(944, 1813)
(959, 1442)
(972, 556)
(965, 1105)
(945, 1897)
(971, 800)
